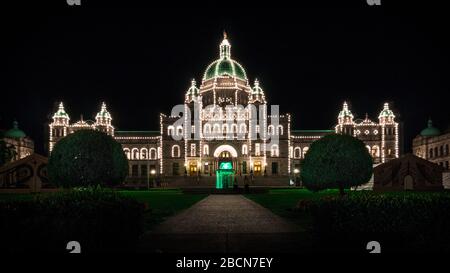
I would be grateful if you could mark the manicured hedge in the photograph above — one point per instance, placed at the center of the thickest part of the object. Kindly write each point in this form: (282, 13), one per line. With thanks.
(403, 221)
(99, 220)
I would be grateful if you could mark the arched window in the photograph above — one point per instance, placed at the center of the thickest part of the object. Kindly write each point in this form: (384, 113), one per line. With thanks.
(179, 130)
(144, 153)
(274, 150)
(436, 152)
(271, 130)
(431, 152)
(305, 150)
(170, 130)
(280, 130)
(243, 128)
(207, 129)
(216, 128)
(446, 149)
(225, 128)
(244, 149)
(175, 151)
(205, 149)
(153, 155)
(297, 152)
(135, 153)
(127, 152)
(234, 128)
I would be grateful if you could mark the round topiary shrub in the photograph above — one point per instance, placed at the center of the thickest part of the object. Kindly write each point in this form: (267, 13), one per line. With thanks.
(87, 158)
(336, 162)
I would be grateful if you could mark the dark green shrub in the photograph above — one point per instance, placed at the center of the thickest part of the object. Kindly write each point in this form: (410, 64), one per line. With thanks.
(85, 158)
(336, 162)
(406, 221)
(99, 220)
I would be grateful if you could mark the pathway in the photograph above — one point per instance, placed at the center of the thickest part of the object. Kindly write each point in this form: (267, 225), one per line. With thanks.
(223, 223)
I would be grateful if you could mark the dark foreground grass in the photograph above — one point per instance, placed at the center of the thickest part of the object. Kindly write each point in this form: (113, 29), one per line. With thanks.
(162, 203)
(282, 201)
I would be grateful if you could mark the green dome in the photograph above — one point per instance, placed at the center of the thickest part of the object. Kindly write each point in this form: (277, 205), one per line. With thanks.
(15, 132)
(430, 130)
(224, 67)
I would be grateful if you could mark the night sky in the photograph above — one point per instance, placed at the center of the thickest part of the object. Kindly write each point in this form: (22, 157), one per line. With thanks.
(140, 61)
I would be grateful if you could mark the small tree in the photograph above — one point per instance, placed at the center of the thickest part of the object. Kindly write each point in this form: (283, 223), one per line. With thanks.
(336, 161)
(86, 158)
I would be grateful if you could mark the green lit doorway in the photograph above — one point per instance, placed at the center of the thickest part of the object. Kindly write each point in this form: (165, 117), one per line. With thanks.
(225, 175)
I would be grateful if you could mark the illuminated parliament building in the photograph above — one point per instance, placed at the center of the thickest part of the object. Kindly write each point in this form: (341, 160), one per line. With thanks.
(225, 147)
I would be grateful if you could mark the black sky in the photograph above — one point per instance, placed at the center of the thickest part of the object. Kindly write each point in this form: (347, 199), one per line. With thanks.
(140, 61)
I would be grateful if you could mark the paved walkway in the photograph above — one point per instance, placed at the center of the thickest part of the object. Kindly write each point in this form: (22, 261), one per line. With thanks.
(222, 223)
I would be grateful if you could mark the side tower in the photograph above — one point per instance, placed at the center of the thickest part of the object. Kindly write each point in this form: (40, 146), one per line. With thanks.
(103, 121)
(345, 121)
(389, 134)
(59, 126)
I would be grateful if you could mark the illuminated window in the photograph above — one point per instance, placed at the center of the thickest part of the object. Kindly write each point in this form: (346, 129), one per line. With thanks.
(193, 149)
(180, 130)
(274, 150)
(257, 149)
(280, 130)
(243, 128)
(216, 128)
(205, 149)
(297, 152)
(175, 151)
(271, 130)
(244, 149)
(135, 153)
(170, 130)
(153, 155)
(207, 129)
(234, 128)
(144, 153)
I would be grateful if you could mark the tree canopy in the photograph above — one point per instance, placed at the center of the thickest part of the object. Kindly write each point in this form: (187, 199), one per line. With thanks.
(87, 158)
(336, 161)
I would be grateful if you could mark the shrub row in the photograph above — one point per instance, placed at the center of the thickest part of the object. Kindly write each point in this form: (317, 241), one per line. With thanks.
(414, 221)
(99, 220)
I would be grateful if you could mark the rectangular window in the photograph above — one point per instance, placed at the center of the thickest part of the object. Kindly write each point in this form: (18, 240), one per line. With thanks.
(257, 149)
(175, 168)
(143, 170)
(274, 167)
(192, 149)
(206, 168)
(134, 170)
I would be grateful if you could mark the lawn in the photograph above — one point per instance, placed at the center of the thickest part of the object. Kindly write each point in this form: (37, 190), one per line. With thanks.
(162, 203)
(281, 201)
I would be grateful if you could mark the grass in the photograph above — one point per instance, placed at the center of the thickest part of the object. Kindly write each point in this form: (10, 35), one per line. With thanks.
(281, 201)
(162, 203)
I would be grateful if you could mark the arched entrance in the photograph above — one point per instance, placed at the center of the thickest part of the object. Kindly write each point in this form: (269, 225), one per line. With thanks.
(226, 160)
